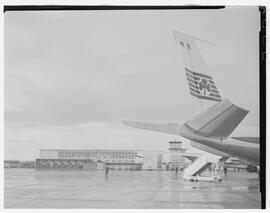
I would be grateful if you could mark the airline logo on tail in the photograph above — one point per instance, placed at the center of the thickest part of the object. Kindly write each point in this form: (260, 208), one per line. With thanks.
(202, 86)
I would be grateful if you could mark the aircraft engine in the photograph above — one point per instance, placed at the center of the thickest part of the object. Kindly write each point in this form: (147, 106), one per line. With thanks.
(252, 168)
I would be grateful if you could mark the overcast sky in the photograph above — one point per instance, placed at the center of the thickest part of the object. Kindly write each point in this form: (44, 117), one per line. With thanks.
(72, 76)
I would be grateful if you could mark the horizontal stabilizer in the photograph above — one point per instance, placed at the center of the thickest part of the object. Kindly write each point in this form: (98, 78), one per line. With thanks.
(170, 128)
(218, 121)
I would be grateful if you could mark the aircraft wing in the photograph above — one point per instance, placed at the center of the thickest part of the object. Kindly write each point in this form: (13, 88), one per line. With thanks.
(170, 128)
(248, 139)
(236, 166)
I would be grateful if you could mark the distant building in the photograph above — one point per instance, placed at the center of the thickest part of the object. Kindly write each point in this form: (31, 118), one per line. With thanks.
(152, 160)
(88, 159)
(12, 164)
(19, 164)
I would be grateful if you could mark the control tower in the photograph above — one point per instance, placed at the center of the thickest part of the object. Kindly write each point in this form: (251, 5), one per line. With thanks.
(175, 151)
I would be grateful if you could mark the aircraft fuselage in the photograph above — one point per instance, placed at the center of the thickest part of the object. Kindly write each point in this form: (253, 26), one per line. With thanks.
(229, 147)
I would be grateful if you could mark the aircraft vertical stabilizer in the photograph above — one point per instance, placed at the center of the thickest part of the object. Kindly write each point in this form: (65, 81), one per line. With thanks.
(201, 85)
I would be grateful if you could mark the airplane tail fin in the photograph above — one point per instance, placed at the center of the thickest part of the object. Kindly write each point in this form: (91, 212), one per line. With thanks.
(201, 85)
(218, 121)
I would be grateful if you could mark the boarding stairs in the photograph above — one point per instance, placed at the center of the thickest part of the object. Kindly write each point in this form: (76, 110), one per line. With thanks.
(192, 172)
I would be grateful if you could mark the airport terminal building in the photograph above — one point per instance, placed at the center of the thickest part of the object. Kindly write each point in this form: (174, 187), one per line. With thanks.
(88, 159)
(91, 159)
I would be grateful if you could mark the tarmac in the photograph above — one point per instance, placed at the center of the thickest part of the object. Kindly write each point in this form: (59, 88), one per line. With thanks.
(28, 188)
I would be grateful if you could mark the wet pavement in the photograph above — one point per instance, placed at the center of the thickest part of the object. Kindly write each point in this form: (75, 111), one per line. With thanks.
(28, 188)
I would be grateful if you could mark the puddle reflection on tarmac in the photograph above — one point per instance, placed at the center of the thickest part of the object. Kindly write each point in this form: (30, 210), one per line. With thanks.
(28, 188)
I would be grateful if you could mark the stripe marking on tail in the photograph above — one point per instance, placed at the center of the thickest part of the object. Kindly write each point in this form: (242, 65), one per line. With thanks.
(202, 86)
